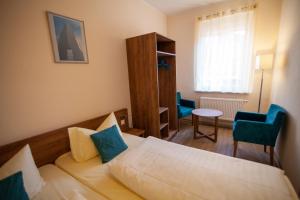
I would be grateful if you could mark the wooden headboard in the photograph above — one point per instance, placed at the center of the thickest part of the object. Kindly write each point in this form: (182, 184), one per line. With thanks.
(47, 147)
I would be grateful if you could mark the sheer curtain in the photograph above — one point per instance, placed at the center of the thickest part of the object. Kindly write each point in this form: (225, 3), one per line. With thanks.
(224, 53)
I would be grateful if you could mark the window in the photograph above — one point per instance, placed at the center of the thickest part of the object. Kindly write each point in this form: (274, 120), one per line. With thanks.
(223, 54)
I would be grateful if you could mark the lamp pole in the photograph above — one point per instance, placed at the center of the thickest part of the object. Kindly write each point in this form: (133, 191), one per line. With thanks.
(264, 60)
(261, 87)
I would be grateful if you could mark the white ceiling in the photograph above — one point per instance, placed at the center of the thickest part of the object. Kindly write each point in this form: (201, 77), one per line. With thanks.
(170, 7)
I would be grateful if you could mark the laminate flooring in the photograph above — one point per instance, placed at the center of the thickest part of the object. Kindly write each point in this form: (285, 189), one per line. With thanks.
(224, 144)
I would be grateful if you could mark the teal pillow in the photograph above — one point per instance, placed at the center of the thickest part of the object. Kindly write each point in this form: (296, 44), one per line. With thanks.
(109, 143)
(12, 187)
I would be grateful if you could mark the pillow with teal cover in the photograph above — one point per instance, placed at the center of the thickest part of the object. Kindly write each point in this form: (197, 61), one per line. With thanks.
(12, 187)
(109, 143)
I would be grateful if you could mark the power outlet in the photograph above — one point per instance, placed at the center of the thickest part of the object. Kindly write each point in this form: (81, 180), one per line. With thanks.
(122, 122)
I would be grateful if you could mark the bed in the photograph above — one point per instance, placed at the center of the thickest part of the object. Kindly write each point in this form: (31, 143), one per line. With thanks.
(202, 175)
(59, 185)
(96, 175)
(160, 170)
(143, 155)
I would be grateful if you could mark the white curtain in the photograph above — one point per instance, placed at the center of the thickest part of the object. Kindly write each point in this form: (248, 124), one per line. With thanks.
(224, 53)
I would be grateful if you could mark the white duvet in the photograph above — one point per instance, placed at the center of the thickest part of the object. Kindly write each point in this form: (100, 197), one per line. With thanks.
(157, 169)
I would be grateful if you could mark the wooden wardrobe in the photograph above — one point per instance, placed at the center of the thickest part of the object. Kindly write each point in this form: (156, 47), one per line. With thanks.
(152, 79)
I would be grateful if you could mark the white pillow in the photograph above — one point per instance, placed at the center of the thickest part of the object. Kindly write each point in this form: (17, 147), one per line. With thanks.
(23, 161)
(109, 122)
(82, 146)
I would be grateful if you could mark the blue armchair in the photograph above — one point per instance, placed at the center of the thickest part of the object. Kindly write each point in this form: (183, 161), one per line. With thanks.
(258, 128)
(184, 107)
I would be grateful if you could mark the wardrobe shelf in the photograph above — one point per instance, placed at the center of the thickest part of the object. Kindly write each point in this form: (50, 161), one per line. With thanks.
(162, 109)
(163, 54)
(163, 125)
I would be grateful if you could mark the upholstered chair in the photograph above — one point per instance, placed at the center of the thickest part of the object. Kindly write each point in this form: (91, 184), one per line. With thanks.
(259, 128)
(184, 107)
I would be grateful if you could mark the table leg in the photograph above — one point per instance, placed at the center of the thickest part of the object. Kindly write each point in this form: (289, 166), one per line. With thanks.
(195, 120)
(198, 134)
(216, 128)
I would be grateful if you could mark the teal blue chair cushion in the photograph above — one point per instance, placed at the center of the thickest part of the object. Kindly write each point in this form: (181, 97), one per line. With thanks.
(184, 111)
(12, 188)
(259, 128)
(109, 143)
(184, 106)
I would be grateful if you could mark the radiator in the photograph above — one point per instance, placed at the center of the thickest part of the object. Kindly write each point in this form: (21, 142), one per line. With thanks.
(228, 106)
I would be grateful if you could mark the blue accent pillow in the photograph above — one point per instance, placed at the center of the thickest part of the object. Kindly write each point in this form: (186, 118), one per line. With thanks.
(109, 143)
(12, 187)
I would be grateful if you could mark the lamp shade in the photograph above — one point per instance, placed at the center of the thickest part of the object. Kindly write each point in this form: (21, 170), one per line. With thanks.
(264, 61)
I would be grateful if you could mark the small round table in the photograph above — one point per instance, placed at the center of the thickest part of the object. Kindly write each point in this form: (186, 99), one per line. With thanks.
(210, 113)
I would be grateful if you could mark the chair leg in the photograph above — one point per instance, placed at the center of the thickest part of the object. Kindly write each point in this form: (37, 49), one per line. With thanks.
(271, 155)
(235, 145)
(178, 124)
(265, 148)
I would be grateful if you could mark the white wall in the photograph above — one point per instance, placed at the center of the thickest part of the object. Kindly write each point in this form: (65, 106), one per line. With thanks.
(286, 88)
(181, 28)
(38, 95)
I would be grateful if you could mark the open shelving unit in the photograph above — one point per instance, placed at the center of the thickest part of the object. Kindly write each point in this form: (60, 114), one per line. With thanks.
(152, 80)
(164, 121)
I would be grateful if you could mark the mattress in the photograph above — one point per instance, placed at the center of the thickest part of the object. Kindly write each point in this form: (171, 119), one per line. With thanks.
(60, 185)
(96, 175)
(161, 170)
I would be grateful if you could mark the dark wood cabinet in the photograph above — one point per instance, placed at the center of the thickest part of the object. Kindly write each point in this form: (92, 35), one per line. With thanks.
(152, 79)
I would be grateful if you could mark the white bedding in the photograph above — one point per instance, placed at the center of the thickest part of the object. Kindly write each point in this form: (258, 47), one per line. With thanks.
(96, 175)
(157, 169)
(61, 186)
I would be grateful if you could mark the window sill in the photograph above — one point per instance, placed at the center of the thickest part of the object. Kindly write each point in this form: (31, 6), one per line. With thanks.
(216, 92)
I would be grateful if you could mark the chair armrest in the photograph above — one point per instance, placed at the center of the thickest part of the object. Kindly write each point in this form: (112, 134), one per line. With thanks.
(187, 103)
(254, 131)
(251, 116)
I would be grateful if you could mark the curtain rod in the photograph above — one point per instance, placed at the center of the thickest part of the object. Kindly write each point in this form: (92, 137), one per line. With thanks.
(228, 12)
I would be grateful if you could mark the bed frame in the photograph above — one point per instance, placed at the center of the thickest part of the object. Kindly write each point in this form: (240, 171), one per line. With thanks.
(47, 147)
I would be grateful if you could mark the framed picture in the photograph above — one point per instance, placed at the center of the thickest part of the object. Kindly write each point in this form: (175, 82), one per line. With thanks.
(68, 39)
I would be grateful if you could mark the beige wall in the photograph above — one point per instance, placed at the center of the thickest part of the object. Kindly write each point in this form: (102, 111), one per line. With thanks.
(286, 88)
(38, 95)
(181, 28)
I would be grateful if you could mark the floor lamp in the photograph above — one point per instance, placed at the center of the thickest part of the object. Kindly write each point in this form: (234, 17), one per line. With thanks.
(264, 62)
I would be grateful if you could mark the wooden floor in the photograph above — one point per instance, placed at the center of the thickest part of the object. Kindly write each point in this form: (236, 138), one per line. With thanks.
(224, 145)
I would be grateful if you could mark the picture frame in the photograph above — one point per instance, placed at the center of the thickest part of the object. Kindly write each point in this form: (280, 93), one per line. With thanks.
(68, 39)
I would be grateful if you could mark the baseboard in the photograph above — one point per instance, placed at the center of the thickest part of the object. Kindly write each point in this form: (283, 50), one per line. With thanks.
(276, 157)
(210, 122)
(221, 123)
